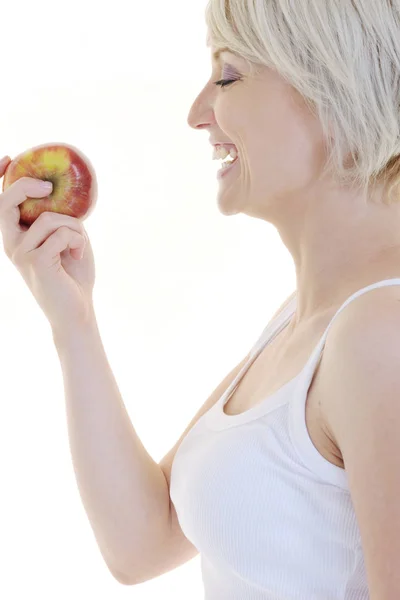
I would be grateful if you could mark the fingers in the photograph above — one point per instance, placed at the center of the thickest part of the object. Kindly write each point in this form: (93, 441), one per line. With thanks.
(10, 199)
(49, 235)
(48, 254)
(4, 162)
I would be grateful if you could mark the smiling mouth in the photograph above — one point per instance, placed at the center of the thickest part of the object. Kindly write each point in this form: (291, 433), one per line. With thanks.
(222, 152)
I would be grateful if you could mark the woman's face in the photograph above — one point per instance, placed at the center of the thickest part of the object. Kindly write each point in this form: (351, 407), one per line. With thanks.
(278, 140)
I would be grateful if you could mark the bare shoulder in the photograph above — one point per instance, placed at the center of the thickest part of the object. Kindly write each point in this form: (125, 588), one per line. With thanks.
(364, 327)
(363, 317)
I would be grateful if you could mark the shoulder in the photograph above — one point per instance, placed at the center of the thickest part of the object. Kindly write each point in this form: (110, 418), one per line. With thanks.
(369, 317)
(361, 354)
(355, 340)
(365, 332)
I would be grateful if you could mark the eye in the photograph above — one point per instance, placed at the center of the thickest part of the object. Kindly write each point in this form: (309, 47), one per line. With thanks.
(228, 70)
(224, 82)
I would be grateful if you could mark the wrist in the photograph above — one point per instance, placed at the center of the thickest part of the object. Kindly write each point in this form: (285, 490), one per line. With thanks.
(71, 331)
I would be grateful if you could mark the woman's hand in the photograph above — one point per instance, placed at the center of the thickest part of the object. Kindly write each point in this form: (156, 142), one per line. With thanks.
(47, 254)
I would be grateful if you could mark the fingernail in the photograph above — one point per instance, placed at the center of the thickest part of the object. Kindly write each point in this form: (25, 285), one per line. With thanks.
(46, 185)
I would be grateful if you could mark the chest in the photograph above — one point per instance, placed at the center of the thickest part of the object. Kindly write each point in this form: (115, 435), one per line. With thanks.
(279, 362)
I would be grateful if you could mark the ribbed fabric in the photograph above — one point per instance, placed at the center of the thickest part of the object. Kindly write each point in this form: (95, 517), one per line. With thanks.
(271, 517)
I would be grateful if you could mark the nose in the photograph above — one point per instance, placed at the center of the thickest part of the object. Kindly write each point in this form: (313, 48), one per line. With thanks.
(201, 114)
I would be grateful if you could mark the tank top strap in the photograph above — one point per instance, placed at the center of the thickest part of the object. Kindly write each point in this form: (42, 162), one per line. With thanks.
(297, 419)
(275, 326)
(316, 354)
(282, 319)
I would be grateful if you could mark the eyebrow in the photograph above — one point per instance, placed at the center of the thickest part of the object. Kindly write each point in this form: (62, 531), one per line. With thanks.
(217, 53)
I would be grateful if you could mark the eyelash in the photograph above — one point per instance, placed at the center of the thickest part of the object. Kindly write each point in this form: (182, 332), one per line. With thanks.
(224, 82)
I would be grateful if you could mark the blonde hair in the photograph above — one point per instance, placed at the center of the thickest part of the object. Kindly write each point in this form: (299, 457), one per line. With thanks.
(344, 60)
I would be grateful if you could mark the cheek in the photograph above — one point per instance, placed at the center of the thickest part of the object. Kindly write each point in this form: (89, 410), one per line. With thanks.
(283, 146)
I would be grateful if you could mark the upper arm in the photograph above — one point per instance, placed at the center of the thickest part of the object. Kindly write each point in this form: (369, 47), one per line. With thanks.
(364, 388)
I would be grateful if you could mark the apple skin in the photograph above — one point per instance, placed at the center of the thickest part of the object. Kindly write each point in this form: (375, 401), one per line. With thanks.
(71, 173)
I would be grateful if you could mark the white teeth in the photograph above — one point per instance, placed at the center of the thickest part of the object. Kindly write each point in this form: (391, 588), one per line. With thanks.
(221, 152)
(233, 153)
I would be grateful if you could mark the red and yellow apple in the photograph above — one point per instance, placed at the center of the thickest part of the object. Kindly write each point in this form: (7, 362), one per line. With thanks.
(71, 173)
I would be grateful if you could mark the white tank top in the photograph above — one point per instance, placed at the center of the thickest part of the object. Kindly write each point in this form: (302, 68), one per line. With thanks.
(271, 517)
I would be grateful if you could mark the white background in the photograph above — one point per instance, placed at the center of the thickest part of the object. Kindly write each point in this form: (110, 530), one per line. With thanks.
(182, 292)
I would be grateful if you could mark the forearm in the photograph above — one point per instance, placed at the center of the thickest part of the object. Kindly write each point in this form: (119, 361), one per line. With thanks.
(123, 490)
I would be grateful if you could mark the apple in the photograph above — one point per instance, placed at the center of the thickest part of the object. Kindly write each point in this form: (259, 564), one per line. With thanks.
(71, 173)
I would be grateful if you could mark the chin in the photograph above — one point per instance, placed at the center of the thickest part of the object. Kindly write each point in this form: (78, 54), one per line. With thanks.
(228, 209)
(228, 204)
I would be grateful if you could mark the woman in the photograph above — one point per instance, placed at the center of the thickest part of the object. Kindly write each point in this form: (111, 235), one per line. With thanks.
(289, 487)
(287, 479)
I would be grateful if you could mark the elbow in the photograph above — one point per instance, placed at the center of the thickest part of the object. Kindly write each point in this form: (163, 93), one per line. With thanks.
(122, 580)
(121, 577)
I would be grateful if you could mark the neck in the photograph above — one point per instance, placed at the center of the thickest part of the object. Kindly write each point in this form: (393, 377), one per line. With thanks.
(338, 249)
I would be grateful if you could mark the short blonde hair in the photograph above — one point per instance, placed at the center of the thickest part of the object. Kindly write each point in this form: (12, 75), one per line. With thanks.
(343, 57)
